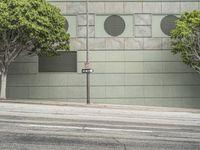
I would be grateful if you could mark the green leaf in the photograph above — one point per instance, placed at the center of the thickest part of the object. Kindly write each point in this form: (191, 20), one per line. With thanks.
(185, 38)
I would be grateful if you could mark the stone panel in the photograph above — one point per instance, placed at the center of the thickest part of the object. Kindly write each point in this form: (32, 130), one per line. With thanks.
(178, 79)
(114, 43)
(115, 79)
(169, 56)
(122, 101)
(98, 92)
(153, 55)
(142, 19)
(143, 31)
(76, 92)
(114, 56)
(133, 55)
(156, 101)
(134, 67)
(81, 56)
(152, 7)
(115, 91)
(115, 67)
(181, 79)
(188, 6)
(93, 56)
(18, 80)
(97, 43)
(170, 7)
(134, 43)
(153, 91)
(75, 7)
(114, 7)
(134, 91)
(181, 91)
(166, 43)
(17, 92)
(80, 66)
(98, 79)
(134, 79)
(77, 44)
(57, 92)
(132, 7)
(41, 79)
(98, 56)
(81, 31)
(153, 79)
(57, 79)
(152, 43)
(99, 67)
(23, 68)
(27, 59)
(82, 20)
(96, 7)
(75, 79)
(38, 92)
(176, 67)
(153, 67)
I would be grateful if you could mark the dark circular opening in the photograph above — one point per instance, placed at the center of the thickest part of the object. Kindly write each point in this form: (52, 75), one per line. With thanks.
(66, 25)
(114, 25)
(168, 23)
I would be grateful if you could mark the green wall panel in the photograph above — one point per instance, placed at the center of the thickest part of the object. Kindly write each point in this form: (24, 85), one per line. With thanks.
(64, 62)
(98, 92)
(18, 92)
(23, 68)
(57, 92)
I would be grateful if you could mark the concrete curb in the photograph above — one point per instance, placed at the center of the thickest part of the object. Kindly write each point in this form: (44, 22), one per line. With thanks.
(111, 106)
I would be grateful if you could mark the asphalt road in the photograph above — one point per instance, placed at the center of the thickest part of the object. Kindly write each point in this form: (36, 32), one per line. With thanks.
(43, 127)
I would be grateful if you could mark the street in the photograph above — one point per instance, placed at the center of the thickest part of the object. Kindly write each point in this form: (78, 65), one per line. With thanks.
(49, 127)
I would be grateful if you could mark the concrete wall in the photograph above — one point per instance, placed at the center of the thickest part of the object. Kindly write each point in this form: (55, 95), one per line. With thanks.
(136, 70)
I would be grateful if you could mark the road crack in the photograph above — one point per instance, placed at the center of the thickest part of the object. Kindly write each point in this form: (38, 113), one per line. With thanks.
(124, 145)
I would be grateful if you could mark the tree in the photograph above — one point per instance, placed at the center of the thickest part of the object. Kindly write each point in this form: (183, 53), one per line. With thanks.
(186, 39)
(29, 27)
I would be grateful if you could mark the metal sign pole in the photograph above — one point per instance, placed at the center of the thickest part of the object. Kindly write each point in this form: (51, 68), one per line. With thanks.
(87, 34)
(87, 65)
(88, 88)
(87, 70)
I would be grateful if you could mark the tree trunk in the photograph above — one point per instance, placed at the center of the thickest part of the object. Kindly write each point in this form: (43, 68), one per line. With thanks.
(3, 85)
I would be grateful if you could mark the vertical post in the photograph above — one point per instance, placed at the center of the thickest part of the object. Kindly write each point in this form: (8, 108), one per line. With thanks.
(88, 88)
(87, 33)
(87, 55)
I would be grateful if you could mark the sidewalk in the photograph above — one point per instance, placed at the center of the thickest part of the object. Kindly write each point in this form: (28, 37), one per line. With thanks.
(104, 113)
(111, 106)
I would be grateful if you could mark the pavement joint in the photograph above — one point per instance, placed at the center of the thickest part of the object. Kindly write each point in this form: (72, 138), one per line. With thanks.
(102, 106)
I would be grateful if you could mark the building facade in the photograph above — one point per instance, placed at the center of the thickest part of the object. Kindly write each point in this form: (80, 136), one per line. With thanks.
(129, 52)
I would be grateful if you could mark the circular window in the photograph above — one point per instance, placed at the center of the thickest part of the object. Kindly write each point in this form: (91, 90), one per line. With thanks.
(168, 23)
(114, 25)
(66, 25)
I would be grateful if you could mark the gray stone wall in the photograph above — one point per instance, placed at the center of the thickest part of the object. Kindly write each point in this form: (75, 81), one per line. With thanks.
(137, 70)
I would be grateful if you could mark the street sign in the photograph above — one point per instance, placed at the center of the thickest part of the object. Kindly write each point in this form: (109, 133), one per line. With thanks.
(87, 70)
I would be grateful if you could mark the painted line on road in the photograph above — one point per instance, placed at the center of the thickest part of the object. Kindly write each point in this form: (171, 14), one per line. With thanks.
(85, 128)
